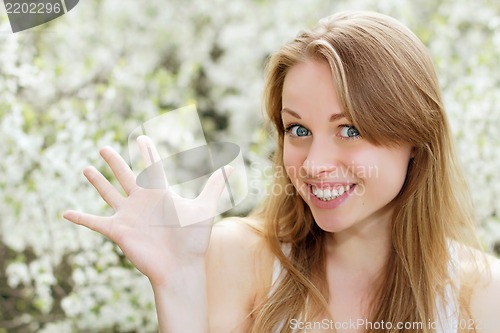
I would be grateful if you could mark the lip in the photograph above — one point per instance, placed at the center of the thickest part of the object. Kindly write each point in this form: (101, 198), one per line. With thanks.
(332, 204)
(323, 185)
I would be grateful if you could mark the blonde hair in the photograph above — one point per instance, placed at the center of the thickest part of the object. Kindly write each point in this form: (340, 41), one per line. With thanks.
(388, 89)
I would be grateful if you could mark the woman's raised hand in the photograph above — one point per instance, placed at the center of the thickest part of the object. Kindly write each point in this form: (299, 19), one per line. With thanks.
(146, 223)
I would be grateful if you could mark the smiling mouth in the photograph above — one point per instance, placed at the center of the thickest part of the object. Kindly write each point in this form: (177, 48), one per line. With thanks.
(330, 193)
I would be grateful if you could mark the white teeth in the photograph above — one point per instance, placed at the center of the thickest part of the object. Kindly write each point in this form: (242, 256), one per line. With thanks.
(328, 194)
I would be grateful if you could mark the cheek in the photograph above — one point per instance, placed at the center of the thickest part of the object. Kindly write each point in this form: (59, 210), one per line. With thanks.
(386, 168)
(291, 156)
(292, 160)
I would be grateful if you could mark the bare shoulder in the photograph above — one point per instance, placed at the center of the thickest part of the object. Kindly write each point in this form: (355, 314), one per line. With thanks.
(239, 269)
(485, 298)
(238, 232)
(238, 240)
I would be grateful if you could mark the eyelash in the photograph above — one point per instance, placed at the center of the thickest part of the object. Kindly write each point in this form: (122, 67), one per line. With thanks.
(289, 128)
(352, 137)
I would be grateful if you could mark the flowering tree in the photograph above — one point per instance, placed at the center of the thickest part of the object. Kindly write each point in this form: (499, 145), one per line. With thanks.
(87, 79)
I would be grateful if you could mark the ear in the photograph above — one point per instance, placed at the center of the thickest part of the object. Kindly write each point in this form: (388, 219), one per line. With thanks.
(413, 152)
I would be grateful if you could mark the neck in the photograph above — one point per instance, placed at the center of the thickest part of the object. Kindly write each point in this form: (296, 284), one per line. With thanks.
(362, 250)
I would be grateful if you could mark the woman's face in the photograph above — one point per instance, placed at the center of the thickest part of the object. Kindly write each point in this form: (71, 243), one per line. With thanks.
(346, 181)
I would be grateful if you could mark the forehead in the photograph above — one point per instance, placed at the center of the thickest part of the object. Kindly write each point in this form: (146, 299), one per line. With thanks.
(309, 87)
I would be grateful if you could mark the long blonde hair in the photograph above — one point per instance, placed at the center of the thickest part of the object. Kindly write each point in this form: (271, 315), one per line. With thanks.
(388, 89)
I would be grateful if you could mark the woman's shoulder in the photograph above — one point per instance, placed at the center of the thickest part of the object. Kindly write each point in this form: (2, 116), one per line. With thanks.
(239, 271)
(240, 241)
(485, 301)
(482, 270)
(239, 233)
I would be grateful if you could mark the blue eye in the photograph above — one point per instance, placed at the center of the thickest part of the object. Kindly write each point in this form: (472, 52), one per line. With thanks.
(297, 130)
(349, 132)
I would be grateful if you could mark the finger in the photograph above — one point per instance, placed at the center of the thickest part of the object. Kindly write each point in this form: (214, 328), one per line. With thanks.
(152, 160)
(107, 191)
(148, 150)
(97, 223)
(215, 185)
(120, 168)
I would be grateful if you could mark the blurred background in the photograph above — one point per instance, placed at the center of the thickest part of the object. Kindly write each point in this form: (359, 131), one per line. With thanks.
(89, 78)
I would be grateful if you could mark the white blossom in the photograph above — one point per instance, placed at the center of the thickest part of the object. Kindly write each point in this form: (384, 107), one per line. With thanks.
(90, 77)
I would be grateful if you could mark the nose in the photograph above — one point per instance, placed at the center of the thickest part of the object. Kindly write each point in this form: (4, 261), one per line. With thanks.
(323, 159)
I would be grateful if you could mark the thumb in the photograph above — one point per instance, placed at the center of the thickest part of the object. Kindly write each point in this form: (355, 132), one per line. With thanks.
(215, 185)
(203, 209)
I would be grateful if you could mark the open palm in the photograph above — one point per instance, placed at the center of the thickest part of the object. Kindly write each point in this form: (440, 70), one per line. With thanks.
(147, 222)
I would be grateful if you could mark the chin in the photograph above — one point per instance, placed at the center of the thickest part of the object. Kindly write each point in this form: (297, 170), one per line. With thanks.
(331, 224)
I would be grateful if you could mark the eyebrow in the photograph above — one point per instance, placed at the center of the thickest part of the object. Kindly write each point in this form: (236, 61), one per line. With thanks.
(334, 117)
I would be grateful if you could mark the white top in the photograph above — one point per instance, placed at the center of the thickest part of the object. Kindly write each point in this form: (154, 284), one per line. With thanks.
(447, 309)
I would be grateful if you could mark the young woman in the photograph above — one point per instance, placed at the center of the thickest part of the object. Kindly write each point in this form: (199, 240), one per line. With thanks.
(377, 235)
